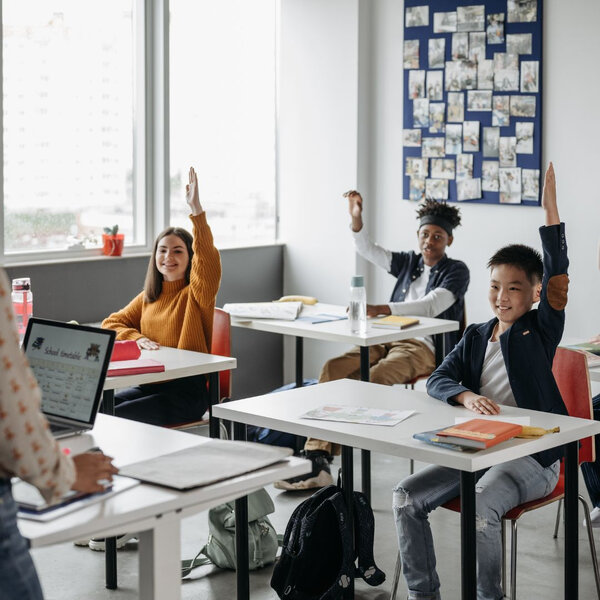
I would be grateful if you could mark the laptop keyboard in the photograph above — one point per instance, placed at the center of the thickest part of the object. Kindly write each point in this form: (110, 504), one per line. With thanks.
(58, 428)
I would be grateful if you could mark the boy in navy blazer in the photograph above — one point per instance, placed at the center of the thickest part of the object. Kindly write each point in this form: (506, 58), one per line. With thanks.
(507, 360)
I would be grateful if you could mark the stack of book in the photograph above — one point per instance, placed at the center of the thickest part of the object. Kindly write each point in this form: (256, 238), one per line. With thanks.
(476, 434)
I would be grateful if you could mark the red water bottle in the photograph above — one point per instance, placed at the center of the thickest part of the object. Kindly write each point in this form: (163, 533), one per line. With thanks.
(22, 299)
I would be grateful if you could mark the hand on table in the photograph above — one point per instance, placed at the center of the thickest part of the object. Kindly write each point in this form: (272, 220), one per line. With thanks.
(478, 404)
(91, 467)
(147, 344)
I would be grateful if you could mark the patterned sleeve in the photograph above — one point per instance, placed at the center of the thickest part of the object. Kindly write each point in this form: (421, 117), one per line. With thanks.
(27, 449)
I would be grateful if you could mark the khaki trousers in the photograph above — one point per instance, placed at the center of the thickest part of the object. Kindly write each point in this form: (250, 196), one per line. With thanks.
(397, 362)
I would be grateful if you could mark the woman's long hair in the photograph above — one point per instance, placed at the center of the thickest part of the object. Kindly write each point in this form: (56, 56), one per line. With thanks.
(154, 279)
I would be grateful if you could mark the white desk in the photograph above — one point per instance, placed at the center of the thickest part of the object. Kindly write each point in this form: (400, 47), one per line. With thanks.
(283, 411)
(339, 331)
(595, 373)
(178, 363)
(154, 512)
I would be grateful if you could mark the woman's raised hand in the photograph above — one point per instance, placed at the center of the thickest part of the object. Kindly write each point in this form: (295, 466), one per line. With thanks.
(191, 193)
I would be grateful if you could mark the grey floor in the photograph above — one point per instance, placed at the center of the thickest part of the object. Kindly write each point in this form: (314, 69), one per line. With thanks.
(68, 572)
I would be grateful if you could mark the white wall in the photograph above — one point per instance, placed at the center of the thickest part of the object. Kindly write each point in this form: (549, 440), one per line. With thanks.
(343, 60)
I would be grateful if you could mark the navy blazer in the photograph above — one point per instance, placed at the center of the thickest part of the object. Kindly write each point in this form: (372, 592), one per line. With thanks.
(450, 274)
(528, 347)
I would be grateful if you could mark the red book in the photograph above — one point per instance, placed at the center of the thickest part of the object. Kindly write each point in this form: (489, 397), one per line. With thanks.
(125, 350)
(134, 367)
(480, 433)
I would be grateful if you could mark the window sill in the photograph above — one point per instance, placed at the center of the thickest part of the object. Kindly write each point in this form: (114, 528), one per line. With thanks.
(66, 258)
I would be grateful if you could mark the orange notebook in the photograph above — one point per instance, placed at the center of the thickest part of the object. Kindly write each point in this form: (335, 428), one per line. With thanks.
(480, 433)
(134, 367)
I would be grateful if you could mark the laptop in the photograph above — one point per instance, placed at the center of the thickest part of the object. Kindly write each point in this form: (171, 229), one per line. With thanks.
(70, 364)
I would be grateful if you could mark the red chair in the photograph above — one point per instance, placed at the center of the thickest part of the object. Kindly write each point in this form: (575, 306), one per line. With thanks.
(220, 345)
(572, 377)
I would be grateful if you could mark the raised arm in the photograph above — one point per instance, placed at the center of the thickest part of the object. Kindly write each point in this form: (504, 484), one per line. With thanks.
(549, 197)
(191, 194)
(355, 209)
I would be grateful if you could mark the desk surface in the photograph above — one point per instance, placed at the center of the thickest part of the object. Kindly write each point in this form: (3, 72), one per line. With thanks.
(339, 331)
(178, 363)
(134, 509)
(283, 411)
(595, 373)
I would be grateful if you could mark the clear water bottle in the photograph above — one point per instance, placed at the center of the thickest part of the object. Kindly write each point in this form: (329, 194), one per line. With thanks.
(22, 300)
(357, 313)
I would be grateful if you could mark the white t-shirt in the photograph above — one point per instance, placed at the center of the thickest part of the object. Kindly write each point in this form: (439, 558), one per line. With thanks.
(494, 376)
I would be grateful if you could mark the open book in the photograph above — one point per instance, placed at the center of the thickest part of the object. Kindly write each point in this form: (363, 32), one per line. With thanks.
(286, 311)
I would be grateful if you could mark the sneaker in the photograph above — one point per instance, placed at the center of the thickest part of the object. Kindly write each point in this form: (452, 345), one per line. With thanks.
(99, 544)
(594, 517)
(319, 477)
(82, 543)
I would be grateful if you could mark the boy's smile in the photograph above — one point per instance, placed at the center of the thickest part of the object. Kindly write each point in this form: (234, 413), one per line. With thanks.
(511, 294)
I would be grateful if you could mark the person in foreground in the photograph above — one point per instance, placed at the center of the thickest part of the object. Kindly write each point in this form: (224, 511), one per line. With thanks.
(428, 284)
(175, 309)
(506, 361)
(28, 451)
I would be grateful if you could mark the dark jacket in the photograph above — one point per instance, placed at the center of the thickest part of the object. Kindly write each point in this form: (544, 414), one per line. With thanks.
(450, 274)
(528, 347)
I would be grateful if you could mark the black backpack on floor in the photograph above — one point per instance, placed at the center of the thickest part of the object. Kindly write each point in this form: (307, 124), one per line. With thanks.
(317, 558)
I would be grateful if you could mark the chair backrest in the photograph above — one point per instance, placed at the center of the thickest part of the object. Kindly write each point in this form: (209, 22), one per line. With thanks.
(221, 345)
(463, 322)
(573, 379)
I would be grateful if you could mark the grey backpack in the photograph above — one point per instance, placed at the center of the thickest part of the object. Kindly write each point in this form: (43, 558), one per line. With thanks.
(220, 548)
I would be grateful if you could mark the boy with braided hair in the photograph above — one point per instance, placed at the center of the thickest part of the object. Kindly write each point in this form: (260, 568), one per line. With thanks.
(428, 284)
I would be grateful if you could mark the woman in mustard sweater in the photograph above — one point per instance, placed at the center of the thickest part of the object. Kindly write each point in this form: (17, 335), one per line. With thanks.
(175, 309)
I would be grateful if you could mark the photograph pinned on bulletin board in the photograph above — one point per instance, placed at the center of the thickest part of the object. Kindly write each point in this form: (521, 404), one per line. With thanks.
(473, 101)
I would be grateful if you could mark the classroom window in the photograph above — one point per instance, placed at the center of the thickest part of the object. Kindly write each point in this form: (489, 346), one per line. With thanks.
(222, 115)
(68, 126)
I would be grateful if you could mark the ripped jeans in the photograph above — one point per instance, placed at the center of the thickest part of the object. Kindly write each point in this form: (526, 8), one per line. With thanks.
(498, 489)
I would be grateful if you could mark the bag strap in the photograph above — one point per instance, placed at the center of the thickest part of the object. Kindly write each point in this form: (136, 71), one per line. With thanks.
(364, 537)
(187, 566)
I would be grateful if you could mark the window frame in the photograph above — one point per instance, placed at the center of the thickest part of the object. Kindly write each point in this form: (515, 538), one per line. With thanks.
(151, 139)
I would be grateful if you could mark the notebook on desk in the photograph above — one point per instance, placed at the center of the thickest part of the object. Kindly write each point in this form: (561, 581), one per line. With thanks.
(212, 461)
(70, 363)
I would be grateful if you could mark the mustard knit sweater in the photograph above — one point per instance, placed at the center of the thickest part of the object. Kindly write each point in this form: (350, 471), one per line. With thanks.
(182, 316)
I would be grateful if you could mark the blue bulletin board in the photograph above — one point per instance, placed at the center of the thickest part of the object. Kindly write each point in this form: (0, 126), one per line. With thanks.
(473, 101)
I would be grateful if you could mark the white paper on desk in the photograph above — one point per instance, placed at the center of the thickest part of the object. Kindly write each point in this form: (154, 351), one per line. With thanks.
(286, 311)
(206, 463)
(504, 418)
(358, 414)
(30, 494)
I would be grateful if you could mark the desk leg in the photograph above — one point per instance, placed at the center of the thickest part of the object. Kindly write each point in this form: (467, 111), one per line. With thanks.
(365, 455)
(468, 541)
(571, 522)
(241, 532)
(348, 488)
(299, 362)
(160, 559)
(213, 398)
(110, 556)
(439, 342)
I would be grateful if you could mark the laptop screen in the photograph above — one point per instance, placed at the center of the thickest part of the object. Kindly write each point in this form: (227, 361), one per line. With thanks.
(69, 363)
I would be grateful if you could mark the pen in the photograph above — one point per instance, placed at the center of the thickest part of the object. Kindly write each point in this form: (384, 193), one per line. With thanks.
(330, 320)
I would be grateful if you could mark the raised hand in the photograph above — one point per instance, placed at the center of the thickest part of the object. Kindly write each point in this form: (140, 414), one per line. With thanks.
(191, 193)
(355, 209)
(549, 197)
